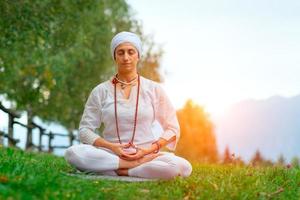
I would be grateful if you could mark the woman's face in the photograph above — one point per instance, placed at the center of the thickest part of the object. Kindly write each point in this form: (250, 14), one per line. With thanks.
(126, 57)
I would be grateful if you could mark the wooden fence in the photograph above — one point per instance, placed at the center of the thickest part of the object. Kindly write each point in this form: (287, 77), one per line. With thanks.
(12, 116)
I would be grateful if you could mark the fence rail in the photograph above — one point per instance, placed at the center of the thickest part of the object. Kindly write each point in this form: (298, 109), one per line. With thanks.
(10, 139)
(13, 115)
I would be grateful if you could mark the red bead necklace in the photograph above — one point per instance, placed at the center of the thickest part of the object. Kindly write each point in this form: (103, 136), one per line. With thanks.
(130, 144)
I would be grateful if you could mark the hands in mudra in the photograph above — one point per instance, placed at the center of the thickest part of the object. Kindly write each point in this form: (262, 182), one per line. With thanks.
(129, 152)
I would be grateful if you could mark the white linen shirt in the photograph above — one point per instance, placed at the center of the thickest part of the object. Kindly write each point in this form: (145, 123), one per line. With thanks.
(153, 106)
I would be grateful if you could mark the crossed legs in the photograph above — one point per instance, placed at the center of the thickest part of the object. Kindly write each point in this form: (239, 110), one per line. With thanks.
(91, 159)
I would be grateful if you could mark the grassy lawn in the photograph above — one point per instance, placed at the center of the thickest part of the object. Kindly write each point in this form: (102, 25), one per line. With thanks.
(25, 175)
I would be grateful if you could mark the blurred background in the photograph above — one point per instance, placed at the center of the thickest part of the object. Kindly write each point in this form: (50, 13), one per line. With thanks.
(231, 69)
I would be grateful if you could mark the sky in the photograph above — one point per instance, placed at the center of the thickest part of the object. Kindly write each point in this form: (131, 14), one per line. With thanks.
(221, 52)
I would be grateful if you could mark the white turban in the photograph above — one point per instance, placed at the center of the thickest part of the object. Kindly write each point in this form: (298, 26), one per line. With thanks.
(125, 37)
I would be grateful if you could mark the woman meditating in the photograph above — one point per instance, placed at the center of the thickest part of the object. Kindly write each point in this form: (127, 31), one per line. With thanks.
(128, 105)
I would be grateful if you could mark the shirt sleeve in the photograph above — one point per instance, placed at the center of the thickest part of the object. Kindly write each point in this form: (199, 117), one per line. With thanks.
(91, 119)
(165, 114)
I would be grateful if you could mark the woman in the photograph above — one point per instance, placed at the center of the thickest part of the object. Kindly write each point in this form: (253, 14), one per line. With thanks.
(127, 105)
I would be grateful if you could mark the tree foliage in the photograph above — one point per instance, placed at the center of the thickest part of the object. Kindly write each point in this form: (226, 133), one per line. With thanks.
(52, 53)
(197, 141)
(295, 162)
(227, 157)
(150, 63)
(257, 159)
(280, 160)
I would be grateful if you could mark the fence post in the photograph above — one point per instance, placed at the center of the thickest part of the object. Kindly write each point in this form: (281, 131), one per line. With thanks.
(1, 138)
(29, 129)
(50, 149)
(71, 137)
(29, 137)
(11, 115)
(10, 129)
(40, 139)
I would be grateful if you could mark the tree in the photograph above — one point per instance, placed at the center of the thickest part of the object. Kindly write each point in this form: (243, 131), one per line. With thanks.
(295, 162)
(52, 53)
(197, 140)
(227, 158)
(231, 158)
(257, 159)
(280, 160)
(239, 161)
(150, 63)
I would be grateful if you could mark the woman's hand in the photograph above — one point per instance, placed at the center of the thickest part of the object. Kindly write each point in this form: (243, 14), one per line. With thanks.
(114, 147)
(122, 150)
(118, 149)
(141, 152)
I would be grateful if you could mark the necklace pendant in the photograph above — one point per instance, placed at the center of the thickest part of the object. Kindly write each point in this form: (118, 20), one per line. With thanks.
(131, 144)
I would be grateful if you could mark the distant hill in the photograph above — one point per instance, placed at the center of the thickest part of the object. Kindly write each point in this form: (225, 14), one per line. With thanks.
(271, 125)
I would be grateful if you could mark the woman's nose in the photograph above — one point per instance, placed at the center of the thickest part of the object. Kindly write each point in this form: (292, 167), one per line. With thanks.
(126, 56)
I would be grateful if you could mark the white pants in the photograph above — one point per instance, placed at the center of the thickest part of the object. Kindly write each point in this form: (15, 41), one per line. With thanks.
(101, 160)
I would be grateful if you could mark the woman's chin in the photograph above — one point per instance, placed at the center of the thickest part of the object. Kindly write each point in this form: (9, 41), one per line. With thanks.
(126, 69)
(126, 66)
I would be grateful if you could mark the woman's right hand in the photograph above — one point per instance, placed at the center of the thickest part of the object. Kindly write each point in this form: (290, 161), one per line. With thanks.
(115, 147)
(118, 149)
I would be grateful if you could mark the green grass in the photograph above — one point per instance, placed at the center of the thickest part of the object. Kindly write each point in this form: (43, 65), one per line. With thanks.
(25, 175)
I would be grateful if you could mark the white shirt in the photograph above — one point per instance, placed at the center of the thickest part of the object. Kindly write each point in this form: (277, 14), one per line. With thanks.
(153, 106)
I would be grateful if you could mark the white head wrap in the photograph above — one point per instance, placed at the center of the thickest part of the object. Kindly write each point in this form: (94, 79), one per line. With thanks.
(125, 37)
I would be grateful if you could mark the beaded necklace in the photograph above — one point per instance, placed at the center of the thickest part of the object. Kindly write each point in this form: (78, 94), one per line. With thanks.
(115, 81)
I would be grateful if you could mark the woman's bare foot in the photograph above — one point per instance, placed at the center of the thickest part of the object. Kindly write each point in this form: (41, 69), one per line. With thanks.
(122, 172)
